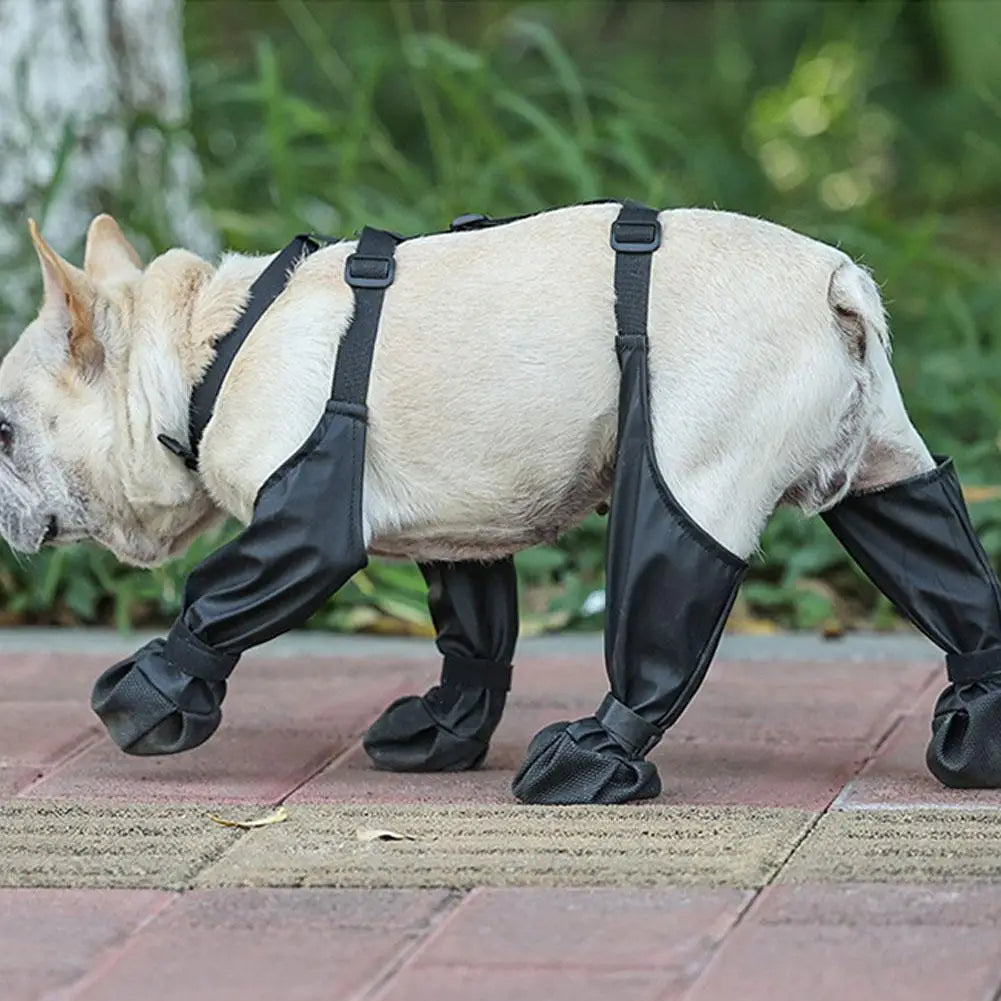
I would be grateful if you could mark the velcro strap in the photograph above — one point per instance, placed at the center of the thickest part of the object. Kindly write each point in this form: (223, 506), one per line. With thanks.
(633, 732)
(185, 651)
(467, 672)
(965, 668)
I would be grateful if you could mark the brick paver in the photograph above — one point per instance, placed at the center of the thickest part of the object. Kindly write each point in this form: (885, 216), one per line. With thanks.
(44, 733)
(800, 787)
(292, 945)
(51, 938)
(891, 943)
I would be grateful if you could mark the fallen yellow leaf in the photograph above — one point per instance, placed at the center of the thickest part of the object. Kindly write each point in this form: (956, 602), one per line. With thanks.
(272, 818)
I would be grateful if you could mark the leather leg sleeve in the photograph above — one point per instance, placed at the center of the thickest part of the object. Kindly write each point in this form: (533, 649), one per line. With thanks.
(474, 607)
(914, 540)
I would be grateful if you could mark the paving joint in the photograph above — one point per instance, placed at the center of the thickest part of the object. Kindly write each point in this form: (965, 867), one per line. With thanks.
(45, 772)
(440, 918)
(812, 824)
(106, 960)
(837, 801)
(332, 762)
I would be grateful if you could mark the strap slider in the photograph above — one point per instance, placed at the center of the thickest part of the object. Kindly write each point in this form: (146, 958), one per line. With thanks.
(469, 220)
(635, 237)
(365, 271)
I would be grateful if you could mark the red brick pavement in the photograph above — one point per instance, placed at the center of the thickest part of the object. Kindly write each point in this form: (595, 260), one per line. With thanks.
(760, 733)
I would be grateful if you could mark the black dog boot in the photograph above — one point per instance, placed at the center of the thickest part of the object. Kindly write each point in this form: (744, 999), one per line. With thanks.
(914, 540)
(166, 697)
(670, 587)
(474, 607)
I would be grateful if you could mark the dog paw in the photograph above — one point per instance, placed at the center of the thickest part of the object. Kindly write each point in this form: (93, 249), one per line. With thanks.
(446, 730)
(582, 763)
(149, 707)
(965, 748)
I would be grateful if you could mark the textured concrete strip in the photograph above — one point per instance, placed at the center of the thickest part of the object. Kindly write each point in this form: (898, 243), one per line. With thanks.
(468, 846)
(246, 945)
(913, 846)
(57, 844)
(863, 942)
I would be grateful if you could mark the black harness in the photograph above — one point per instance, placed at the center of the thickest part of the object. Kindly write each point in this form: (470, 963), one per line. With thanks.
(280, 569)
(370, 270)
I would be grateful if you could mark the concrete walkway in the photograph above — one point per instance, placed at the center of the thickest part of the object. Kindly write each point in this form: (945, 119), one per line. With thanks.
(800, 848)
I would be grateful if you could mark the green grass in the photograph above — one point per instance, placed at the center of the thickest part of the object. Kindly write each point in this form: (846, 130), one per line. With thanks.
(875, 126)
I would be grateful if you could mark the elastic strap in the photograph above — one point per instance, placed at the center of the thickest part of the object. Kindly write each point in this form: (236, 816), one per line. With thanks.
(965, 668)
(370, 270)
(468, 672)
(630, 730)
(191, 656)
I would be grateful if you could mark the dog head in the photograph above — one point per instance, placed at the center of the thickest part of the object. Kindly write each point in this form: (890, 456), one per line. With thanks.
(83, 392)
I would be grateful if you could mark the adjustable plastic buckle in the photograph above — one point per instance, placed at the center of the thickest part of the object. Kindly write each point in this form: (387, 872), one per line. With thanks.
(380, 271)
(469, 220)
(635, 237)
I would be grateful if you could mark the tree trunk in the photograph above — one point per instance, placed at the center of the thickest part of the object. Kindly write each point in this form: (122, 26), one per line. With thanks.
(93, 109)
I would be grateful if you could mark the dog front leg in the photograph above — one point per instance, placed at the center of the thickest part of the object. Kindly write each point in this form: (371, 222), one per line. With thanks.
(474, 607)
(271, 578)
(914, 540)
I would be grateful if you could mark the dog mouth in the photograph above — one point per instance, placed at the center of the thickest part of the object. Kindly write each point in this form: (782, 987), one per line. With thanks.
(51, 532)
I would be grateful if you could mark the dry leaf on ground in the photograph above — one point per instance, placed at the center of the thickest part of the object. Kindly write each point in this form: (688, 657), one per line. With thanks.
(272, 818)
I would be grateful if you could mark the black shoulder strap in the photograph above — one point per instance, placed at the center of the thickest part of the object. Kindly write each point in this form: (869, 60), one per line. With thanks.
(268, 286)
(636, 234)
(370, 270)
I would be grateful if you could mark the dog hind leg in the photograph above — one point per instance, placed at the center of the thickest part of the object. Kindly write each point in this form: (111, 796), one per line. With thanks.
(474, 607)
(676, 558)
(907, 526)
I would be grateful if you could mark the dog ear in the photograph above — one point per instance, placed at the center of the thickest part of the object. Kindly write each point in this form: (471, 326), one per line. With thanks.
(68, 292)
(109, 257)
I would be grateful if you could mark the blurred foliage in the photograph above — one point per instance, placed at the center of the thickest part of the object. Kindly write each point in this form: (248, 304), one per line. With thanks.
(872, 125)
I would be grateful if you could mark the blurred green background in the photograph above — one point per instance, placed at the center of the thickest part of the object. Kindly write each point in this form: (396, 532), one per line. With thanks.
(872, 125)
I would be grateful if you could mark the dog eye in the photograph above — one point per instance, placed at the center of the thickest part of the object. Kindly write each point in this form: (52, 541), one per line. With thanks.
(6, 436)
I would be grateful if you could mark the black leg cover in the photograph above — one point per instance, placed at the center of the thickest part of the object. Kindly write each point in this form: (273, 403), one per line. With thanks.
(150, 705)
(670, 587)
(474, 607)
(167, 696)
(914, 540)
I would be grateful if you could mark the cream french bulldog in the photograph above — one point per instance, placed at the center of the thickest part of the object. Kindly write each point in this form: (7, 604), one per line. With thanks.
(493, 394)
(699, 367)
